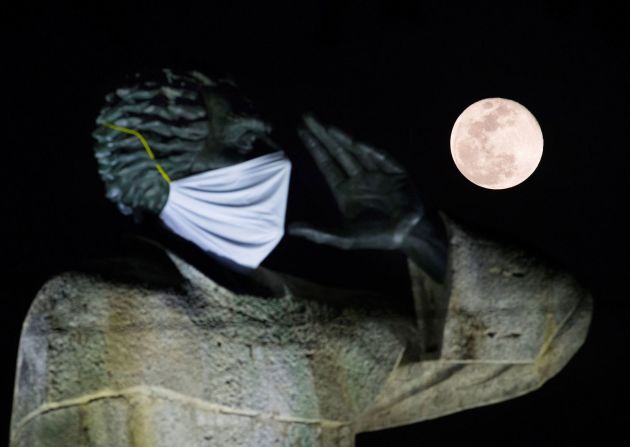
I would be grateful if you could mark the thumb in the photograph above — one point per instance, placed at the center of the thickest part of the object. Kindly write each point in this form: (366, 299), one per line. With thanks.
(319, 235)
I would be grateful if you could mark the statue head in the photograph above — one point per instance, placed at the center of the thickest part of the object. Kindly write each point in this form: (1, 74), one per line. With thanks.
(189, 122)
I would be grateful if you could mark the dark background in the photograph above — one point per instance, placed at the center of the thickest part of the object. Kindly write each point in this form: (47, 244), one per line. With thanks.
(391, 73)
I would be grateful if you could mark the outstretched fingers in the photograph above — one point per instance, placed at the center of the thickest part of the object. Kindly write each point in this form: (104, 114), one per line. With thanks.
(346, 141)
(372, 159)
(338, 151)
(331, 171)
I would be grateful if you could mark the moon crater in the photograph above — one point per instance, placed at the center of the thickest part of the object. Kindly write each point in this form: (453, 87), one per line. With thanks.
(496, 143)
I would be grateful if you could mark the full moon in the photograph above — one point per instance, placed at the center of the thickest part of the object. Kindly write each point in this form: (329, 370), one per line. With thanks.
(496, 143)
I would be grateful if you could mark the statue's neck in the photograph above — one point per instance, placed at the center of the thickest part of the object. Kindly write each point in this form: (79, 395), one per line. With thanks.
(226, 274)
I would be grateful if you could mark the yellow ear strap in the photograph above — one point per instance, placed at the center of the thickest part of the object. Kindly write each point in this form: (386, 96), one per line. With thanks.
(144, 142)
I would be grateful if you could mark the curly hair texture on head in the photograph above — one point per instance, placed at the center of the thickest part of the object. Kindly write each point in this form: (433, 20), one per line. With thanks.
(184, 117)
(168, 111)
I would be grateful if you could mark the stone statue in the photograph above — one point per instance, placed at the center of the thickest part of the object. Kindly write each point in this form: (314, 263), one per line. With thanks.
(189, 341)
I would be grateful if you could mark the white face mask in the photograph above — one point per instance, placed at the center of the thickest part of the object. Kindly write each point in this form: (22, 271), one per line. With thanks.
(236, 212)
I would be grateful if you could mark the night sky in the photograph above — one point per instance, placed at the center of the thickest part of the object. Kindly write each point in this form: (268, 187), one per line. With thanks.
(393, 74)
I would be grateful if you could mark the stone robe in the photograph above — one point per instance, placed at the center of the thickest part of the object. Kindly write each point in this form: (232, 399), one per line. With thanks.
(106, 363)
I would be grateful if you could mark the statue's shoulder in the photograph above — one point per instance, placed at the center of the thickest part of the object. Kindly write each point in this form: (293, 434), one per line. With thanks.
(137, 261)
(134, 273)
(98, 354)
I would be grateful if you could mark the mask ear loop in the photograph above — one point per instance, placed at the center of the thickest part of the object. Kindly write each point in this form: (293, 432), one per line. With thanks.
(144, 142)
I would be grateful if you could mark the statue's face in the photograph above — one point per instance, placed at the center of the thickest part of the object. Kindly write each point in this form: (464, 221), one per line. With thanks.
(234, 135)
(191, 124)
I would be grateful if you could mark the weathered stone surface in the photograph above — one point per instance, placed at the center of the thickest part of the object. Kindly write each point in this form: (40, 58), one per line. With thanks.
(201, 366)
(108, 364)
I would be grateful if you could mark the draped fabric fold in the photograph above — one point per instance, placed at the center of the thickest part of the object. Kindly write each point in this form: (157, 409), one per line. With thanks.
(237, 212)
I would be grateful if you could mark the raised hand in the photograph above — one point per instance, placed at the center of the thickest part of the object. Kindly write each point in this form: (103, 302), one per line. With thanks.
(378, 201)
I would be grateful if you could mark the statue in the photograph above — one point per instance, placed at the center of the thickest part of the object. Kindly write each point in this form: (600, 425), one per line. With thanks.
(190, 341)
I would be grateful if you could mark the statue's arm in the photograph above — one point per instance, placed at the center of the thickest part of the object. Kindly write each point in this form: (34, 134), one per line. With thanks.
(504, 322)
(379, 203)
(426, 246)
